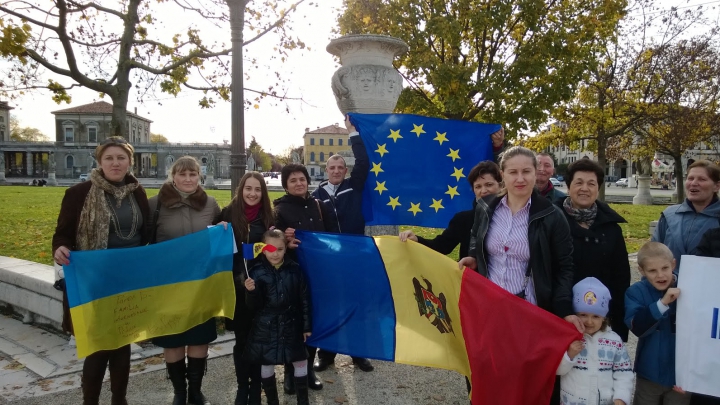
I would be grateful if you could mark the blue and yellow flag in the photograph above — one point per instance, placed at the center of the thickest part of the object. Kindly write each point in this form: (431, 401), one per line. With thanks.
(419, 167)
(253, 250)
(120, 296)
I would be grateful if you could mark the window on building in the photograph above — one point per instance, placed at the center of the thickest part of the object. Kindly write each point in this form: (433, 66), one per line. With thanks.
(2, 134)
(92, 134)
(322, 156)
(322, 141)
(312, 141)
(69, 162)
(312, 171)
(330, 142)
(69, 134)
(2, 119)
(339, 142)
(312, 156)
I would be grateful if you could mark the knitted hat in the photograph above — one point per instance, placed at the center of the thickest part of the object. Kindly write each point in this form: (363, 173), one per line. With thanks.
(591, 296)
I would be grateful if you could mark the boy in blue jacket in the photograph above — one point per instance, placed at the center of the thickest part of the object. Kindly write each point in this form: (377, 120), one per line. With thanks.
(650, 314)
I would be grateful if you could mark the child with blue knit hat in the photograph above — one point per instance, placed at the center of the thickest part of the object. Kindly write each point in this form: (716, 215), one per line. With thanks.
(597, 369)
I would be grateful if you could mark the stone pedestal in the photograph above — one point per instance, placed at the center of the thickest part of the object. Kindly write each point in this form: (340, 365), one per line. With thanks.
(643, 196)
(367, 82)
(209, 182)
(2, 176)
(51, 180)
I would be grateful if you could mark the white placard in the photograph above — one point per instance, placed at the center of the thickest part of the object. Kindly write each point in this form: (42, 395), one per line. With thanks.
(697, 345)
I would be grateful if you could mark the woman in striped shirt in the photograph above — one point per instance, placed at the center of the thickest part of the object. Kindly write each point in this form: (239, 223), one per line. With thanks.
(521, 242)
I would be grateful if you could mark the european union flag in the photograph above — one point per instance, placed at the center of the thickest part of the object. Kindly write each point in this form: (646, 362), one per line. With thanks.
(419, 167)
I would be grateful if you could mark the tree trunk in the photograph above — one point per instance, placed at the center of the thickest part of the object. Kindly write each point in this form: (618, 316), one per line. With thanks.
(602, 161)
(679, 181)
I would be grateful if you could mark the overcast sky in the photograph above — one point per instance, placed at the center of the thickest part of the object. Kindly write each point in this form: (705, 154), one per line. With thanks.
(308, 76)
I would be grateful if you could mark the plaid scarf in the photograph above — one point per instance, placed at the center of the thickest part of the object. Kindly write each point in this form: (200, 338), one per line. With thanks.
(581, 215)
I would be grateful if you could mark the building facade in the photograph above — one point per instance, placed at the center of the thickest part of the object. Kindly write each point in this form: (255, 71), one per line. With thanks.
(321, 143)
(5, 121)
(79, 130)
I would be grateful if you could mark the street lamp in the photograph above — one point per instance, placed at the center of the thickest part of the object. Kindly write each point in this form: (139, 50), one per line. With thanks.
(237, 107)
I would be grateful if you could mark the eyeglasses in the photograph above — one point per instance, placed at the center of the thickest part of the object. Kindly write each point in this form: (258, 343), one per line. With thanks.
(114, 139)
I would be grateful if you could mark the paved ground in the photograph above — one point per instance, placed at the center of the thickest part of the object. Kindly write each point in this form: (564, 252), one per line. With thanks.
(38, 368)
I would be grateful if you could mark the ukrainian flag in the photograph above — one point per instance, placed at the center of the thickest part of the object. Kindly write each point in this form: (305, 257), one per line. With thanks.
(120, 296)
(400, 301)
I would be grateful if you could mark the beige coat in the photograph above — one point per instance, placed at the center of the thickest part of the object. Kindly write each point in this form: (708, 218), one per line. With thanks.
(178, 217)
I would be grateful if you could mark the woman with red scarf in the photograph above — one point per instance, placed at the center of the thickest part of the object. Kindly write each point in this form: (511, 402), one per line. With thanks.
(251, 215)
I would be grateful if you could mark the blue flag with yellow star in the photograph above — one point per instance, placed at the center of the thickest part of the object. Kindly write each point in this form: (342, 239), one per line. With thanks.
(419, 167)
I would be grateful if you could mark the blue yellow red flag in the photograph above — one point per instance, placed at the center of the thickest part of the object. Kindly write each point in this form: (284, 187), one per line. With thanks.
(419, 167)
(120, 296)
(400, 301)
(253, 250)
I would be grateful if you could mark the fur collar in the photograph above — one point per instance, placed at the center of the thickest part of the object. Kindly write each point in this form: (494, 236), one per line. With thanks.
(170, 198)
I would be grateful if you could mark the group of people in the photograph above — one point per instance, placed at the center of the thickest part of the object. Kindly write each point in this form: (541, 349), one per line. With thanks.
(567, 255)
(563, 253)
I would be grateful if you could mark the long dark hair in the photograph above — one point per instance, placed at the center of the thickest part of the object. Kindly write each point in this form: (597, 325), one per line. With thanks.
(237, 208)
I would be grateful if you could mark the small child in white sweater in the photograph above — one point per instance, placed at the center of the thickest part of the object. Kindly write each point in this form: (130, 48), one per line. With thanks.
(597, 369)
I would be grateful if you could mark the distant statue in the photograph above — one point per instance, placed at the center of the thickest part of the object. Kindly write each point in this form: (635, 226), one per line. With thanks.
(295, 157)
(645, 167)
(2, 161)
(51, 160)
(211, 165)
(169, 159)
(250, 163)
(93, 162)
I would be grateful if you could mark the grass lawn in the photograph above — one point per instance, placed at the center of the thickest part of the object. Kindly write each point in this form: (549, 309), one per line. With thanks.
(28, 216)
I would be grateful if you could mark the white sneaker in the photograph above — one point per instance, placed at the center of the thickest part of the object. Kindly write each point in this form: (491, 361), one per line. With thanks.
(71, 343)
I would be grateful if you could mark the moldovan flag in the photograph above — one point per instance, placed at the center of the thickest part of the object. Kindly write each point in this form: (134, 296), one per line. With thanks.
(697, 342)
(400, 301)
(253, 250)
(120, 296)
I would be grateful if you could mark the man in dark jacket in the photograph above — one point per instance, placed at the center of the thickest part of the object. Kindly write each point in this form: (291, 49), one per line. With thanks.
(344, 197)
(545, 170)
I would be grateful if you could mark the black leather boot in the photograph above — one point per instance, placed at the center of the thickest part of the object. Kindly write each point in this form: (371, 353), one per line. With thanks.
(314, 383)
(176, 374)
(270, 387)
(289, 381)
(255, 384)
(242, 372)
(195, 372)
(301, 384)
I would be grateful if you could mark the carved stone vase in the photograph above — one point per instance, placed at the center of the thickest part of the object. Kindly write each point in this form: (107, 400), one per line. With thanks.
(367, 82)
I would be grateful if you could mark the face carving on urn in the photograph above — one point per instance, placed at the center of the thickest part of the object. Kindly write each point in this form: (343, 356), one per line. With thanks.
(366, 79)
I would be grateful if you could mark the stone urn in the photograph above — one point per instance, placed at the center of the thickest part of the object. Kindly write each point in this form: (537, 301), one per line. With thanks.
(367, 82)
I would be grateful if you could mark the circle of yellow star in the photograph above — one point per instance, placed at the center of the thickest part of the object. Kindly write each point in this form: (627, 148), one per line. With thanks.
(458, 173)
(381, 150)
(377, 169)
(394, 202)
(380, 187)
(437, 204)
(454, 154)
(394, 135)
(418, 129)
(452, 191)
(441, 137)
(414, 208)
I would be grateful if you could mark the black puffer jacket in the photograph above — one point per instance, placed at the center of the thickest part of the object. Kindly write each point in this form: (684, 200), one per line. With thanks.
(241, 323)
(281, 301)
(457, 232)
(600, 252)
(307, 214)
(551, 251)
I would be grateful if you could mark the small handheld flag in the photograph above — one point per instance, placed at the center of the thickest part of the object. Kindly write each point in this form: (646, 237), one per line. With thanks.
(253, 250)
